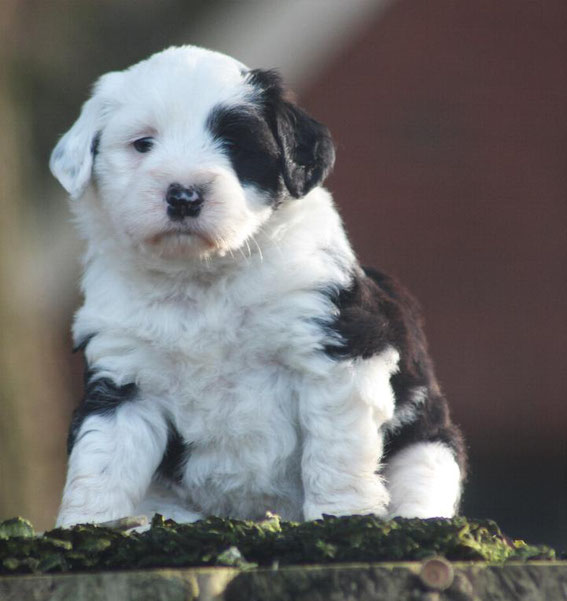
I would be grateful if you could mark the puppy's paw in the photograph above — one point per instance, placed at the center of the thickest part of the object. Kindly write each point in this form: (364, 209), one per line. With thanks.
(315, 512)
(69, 518)
(373, 501)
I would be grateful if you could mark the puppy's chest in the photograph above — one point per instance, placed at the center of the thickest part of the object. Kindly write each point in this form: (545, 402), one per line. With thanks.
(224, 367)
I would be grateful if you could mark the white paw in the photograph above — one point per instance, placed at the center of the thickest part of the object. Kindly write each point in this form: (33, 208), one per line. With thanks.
(67, 518)
(316, 512)
(313, 511)
(415, 510)
(370, 497)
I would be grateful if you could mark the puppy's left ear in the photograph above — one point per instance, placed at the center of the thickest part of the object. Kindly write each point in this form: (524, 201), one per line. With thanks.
(306, 146)
(307, 149)
(72, 158)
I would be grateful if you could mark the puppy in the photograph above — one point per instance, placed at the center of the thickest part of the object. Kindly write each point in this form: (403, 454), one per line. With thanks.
(239, 359)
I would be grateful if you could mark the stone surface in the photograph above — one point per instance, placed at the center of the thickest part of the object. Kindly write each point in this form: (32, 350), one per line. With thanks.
(373, 582)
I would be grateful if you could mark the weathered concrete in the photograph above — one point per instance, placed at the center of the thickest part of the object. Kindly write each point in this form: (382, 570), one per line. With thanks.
(535, 581)
(202, 584)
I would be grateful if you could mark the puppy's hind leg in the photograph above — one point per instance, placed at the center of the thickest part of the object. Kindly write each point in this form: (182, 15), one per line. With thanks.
(424, 481)
(425, 465)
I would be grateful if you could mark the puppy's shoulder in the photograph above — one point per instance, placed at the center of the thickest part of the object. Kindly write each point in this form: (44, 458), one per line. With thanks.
(374, 312)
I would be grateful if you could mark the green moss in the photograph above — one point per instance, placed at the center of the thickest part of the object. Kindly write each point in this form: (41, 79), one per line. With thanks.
(16, 527)
(245, 544)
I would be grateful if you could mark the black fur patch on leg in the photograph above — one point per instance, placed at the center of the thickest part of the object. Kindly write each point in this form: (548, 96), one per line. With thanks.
(102, 397)
(374, 313)
(175, 456)
(432, 423)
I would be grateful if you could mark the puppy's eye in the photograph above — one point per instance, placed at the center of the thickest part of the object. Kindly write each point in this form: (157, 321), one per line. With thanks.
(230, 144)
(143, 144)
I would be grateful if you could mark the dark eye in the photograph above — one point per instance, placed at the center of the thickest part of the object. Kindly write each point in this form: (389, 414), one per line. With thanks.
(230, 144)
(143, 144)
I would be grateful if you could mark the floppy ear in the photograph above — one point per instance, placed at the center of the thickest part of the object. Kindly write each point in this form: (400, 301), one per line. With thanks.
(306, 146)
(72, 158)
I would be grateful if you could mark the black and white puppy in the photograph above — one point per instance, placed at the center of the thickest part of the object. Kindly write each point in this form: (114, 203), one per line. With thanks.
(239, 359)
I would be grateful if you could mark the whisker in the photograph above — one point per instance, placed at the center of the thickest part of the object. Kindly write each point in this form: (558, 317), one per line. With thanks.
(249, 249)
(243, 254)
(258, 247)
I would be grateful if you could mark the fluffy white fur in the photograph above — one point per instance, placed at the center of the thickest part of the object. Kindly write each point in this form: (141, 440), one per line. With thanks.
(423, 481)
(209, 320)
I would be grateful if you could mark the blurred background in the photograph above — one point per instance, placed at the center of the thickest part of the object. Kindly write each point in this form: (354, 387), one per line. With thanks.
(450, 123)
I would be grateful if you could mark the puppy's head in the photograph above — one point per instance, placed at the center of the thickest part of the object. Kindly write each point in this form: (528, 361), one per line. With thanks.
(189, 153)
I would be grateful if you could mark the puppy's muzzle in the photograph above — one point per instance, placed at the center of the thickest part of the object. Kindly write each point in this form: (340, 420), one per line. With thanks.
(183, 202)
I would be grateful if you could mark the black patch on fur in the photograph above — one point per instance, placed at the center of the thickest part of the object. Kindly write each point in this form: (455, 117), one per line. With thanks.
(432, 424)
(374, 313)
(250, 145)
(175, 456)
(102, 397)
(95, 144)
(273, 143)
(307, 153)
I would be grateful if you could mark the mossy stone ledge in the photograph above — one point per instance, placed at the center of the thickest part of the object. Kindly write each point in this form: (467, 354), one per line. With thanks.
(346, 558)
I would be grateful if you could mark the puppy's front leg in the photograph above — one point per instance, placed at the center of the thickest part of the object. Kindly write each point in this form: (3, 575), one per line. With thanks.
(340, 418)
(113, 458)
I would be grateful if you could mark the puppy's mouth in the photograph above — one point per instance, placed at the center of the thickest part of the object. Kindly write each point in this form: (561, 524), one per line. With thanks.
(181, 237)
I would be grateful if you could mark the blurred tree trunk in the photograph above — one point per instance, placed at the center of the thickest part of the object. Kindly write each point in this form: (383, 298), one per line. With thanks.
(30, 403)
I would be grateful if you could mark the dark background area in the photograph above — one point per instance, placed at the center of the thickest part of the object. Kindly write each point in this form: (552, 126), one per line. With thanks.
(450, 123)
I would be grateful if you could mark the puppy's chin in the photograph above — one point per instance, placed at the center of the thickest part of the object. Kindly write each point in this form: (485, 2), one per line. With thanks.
(175, 245)
(182, 245)
(179, 244)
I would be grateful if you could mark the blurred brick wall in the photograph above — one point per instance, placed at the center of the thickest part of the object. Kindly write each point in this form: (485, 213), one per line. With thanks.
(450, 122)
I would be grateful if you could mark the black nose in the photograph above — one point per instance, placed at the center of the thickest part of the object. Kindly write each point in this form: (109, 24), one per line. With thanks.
(183, 202)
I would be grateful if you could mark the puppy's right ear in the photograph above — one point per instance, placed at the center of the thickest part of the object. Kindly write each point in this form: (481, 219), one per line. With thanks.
(72, 158)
